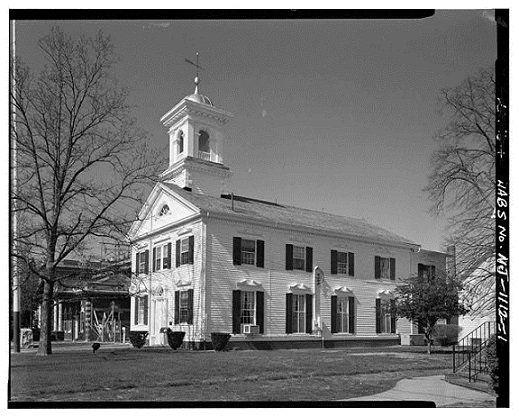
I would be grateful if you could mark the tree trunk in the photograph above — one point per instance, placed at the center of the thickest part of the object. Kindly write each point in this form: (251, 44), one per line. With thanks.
(429, 346)
(45, 346)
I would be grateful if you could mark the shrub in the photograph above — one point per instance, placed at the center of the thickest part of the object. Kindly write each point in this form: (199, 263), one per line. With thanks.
(175, 338)
(220, 340)
(138, 338)
(493, 362)
(445, 335)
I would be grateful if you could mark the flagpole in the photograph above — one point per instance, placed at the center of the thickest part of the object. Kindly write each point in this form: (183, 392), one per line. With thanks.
(14, 212)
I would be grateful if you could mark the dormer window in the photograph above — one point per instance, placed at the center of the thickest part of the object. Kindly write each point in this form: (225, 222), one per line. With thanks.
(180, 142)
(203, 145)
(164, 210)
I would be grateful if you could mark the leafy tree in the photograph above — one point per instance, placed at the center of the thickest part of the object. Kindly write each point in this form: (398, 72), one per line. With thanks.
(426, 299)
(462, 182)
(83, 166)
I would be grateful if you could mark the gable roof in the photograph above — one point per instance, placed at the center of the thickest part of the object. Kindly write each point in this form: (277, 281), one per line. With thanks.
(250, 209)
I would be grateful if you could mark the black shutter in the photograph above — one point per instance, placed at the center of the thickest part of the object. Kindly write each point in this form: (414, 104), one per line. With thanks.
(147, 261)
(236, 251)
(167, 260)
(190, 306)
(177, 307)
(260, 253)
(377, 267)
(260, 314)
(334, 315)
(289, 260)
(145, 299)
(309, 315)
(393, 316)
(333, 266)
(154, 258)
(392, 267)
(433, 271)
(136, 311)
(177, 254)
(191, 255)
(351, 314)
(377, 316)
(309, 259)
(351, 264)
(137, 271)
(289, 313)
(236, 310)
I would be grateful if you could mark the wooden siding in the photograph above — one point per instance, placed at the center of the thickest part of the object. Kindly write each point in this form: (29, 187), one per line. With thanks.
(223, 276)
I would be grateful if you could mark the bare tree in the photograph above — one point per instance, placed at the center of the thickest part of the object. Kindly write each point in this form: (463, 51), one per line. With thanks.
(462, 182)
(83, 166)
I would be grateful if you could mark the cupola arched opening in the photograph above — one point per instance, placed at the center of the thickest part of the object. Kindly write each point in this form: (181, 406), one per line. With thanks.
(203, 141)
(180, 142)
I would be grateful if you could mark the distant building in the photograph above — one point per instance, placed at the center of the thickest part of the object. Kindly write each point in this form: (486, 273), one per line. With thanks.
(205, 260)
(92, 301)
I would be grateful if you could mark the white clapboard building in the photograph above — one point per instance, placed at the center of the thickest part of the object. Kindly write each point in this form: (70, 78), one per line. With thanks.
(205, 260)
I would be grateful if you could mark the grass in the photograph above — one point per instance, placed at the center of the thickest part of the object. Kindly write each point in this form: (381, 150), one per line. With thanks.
(160, 374)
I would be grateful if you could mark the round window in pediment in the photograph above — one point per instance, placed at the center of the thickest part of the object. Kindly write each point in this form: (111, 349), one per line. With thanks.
(164, 210)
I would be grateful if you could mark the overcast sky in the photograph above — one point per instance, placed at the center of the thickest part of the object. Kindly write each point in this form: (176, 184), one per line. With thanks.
(333, 115)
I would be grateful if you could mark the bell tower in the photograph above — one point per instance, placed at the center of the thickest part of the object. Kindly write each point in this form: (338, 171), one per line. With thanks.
(196, 139)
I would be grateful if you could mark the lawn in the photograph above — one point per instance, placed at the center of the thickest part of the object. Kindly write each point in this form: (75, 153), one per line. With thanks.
(161, 374)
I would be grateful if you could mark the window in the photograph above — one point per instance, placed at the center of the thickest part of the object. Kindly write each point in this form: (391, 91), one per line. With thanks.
(385, 268)
(203, 141)
(142, 261)
(298, 258)
(299, 313)
(426, 271)
(180, 142)
(343, 314)
(247, 308)
(162, 257)
(164, 210)
(184, 307)
(385, 317)
(185, 251)
(248, 251)
(342, 263)
(141, 310)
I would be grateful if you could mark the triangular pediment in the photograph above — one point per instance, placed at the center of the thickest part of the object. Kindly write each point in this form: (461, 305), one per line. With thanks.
(162, 209)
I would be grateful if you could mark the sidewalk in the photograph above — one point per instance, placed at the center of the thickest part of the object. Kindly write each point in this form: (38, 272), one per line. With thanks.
(434, 389)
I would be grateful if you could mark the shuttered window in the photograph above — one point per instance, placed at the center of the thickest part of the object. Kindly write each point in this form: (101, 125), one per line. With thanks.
(385, 268)
(342, 263)
(385, 316)
(184, 307)
(299, 258)
(141, 310)
(185, 251)
(142, 262)
(162, 257)
(247, 251)
(248, 308)
(299, 318)
(343, 314)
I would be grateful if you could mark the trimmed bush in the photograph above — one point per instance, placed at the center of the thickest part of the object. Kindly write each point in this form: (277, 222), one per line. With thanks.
(445, 335)
(138, 338)
(493, 362)
(220, 340)
(175, 338)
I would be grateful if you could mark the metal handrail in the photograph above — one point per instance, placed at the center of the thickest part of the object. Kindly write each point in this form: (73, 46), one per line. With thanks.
(471, 347)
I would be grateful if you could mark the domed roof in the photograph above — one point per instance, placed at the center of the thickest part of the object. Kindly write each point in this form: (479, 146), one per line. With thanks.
(197, 97)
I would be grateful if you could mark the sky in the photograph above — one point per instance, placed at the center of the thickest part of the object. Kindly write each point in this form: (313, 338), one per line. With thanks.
(333, 115)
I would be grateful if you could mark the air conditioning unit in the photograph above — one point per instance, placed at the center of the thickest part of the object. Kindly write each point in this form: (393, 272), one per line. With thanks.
(249, 329)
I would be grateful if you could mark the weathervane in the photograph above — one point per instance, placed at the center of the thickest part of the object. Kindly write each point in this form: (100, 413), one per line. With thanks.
(195, 65)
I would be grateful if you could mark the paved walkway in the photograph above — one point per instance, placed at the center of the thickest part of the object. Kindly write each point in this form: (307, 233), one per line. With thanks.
(435, 389)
